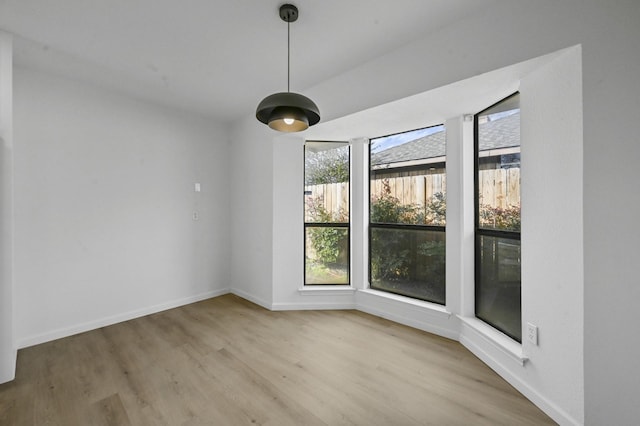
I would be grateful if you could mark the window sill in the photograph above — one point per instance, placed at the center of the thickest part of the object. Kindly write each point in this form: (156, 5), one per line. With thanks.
(499, 340)
(326, 290)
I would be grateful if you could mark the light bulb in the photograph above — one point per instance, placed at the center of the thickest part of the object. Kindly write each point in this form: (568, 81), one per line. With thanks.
(288, 121)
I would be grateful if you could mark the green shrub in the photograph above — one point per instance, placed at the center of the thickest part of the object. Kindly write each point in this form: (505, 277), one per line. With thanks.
(436, 210)
(393, 254)
(327, 243)
(499, 218)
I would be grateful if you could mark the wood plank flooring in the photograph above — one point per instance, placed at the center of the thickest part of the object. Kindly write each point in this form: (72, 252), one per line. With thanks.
(226, 361)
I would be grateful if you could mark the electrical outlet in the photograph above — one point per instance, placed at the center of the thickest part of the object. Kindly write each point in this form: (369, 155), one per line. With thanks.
(532, 333)
(196, 216)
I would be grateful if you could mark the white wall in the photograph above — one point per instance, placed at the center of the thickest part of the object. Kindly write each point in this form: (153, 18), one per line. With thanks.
(104, 198)
(611, 208)
(552, 227)
(251, 173)
(7, 347)
(288, 181)
(516, 31)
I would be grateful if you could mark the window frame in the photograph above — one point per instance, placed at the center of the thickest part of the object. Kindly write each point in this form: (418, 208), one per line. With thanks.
(306, 225)
(478, 231)
(398, 226)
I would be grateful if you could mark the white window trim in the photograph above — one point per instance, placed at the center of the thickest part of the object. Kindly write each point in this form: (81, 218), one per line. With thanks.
(326, 290)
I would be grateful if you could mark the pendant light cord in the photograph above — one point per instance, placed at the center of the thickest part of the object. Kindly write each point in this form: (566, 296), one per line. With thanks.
(288, 55)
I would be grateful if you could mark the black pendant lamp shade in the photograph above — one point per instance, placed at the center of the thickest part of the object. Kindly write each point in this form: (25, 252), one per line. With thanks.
(288, 111)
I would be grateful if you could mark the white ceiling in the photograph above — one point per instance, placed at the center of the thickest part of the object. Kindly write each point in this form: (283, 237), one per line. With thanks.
(218, 58)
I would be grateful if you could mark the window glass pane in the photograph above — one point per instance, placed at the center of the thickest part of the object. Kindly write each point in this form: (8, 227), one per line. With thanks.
(499, 166)
(326, 179)
(408, 193)
(326, 255)
(497, 293)
(408, 183)
(498, 284)
(326, 213)
(410, 262)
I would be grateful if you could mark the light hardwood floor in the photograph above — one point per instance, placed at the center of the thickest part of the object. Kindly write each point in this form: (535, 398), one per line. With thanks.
(226, 361)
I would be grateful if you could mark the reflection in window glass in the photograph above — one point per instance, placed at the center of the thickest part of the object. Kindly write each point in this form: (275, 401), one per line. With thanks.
(326, 213)
(499, 281)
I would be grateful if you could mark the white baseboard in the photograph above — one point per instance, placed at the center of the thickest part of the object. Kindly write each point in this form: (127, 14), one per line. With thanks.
(411, 322)
(114, 319)
(551, 409)
(8, 365)
(251, 298)
(313, 306)
(424, 316)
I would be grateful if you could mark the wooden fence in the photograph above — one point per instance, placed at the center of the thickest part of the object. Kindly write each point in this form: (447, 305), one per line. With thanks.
(498, 188)
(410, 190)
(334, 197)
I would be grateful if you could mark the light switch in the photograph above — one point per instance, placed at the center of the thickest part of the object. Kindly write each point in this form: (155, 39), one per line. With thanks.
(196, 187)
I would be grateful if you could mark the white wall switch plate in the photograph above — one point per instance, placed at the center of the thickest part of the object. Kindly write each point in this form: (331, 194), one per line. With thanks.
(532, 333)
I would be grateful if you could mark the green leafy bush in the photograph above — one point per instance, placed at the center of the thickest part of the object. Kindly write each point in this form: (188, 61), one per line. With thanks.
(436, 210)
(386, 208)
(327, 243)
(499, 218)
(396, 254)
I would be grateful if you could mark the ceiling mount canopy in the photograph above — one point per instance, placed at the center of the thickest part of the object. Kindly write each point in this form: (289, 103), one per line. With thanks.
(288, 111)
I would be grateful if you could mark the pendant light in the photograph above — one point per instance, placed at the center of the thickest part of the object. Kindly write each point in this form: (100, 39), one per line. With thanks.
(288, 111)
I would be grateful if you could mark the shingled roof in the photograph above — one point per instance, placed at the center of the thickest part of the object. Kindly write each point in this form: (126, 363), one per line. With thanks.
(501, 133)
